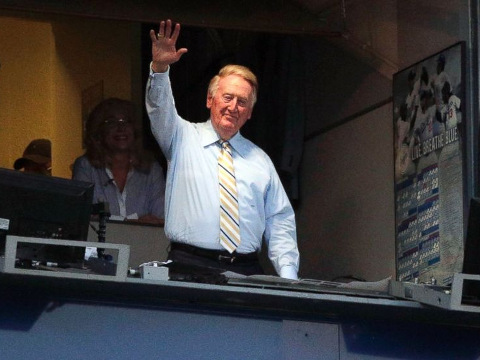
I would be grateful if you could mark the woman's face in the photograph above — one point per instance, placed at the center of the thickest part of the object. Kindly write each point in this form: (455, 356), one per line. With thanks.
(119, 133)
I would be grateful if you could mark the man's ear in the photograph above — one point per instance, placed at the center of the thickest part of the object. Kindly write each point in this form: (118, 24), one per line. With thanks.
(250, 113)
(209, 101)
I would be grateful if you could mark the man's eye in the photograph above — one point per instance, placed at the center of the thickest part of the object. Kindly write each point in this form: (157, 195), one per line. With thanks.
(227, 98)
(242, 102)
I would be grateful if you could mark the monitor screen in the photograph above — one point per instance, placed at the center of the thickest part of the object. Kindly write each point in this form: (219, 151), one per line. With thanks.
(471, 258)
(42, 206)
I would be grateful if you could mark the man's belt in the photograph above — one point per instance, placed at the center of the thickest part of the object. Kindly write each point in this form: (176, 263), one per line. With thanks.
(222, 256)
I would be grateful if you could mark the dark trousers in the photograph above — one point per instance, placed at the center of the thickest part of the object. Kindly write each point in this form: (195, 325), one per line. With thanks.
(190, 263)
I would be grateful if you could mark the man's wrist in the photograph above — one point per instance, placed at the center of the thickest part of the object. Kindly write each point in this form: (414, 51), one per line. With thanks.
(158, 68)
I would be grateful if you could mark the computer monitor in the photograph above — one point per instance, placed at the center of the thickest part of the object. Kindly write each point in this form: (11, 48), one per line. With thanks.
(40, 206)
(471, 254)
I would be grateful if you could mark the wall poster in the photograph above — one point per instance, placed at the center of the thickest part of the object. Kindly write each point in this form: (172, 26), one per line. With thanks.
(429, 133)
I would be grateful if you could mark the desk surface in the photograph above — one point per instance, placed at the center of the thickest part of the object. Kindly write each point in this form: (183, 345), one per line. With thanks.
(227, 299)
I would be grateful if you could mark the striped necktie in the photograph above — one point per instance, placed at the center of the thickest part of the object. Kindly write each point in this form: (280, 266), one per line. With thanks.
(229, 218)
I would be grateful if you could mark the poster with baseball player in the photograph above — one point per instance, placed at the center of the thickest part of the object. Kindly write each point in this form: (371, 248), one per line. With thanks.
(429, 148)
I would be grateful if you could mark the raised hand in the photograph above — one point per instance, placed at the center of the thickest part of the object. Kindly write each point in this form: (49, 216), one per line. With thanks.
(164, 51)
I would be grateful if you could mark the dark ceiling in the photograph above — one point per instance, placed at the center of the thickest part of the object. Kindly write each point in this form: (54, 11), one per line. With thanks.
(320, 17)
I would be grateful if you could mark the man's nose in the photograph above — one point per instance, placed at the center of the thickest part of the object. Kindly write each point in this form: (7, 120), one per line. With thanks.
(233, 105)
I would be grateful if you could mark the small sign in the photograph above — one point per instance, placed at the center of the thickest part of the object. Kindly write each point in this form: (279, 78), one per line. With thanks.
(4, 224)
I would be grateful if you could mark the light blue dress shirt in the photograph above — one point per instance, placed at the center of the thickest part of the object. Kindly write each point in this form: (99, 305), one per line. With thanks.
(192, 191)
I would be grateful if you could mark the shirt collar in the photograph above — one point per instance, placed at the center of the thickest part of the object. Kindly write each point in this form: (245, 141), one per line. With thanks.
(207, 133)
(209, 136)
(238, 143)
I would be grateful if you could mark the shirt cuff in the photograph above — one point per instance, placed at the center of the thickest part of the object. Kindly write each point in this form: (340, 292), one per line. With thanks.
(152, 72)
(289, 272)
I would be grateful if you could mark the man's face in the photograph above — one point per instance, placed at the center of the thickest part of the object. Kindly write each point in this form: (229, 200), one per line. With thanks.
(231, 106)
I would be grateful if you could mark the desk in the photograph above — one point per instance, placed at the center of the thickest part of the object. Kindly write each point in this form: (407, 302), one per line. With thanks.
(60, 318)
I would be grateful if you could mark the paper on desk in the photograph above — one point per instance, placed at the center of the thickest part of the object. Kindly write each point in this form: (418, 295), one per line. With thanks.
(263, 278)
(133, 216)
(156, 263)
(381, 285)
(234, 275)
